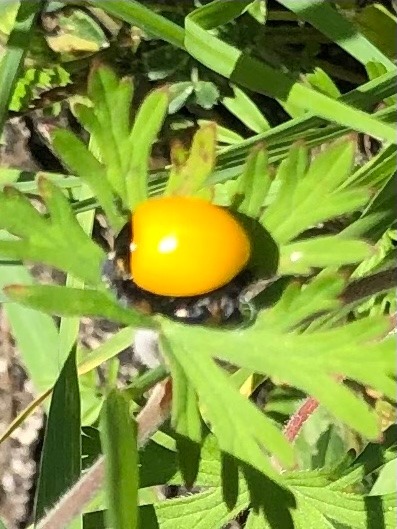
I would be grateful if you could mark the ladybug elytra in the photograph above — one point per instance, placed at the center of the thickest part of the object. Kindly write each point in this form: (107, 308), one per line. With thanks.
(183, 257)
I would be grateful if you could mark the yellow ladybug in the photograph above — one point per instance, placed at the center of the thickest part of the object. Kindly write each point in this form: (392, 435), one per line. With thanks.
(183, 257)
(184, 246)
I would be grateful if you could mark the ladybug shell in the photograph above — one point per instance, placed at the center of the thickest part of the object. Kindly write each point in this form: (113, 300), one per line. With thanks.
(185, 246)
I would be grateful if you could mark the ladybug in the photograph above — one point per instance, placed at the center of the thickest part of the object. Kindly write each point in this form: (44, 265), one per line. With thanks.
(182, 257)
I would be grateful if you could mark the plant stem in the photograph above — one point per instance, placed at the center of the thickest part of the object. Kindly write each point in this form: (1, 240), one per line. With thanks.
(298, 419)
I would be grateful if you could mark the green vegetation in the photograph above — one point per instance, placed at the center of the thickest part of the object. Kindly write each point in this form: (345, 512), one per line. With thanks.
(296, 431)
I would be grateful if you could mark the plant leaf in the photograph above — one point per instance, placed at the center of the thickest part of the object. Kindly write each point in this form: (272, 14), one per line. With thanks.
(246, 111)
(75, 302)
(385, 482)
(119, 441)
(200, 511)
(62, 436)
(108, 121)
(138, 147)
(304, 256)
(201, 45)
(188, 177)
(347, 350)
(338, 29)
(260, 77)
(44, 239)
(255, 182)
(12, 60)
(35, 334)
(236, 433)
(84, 164)
(185, 412)
(298, 205)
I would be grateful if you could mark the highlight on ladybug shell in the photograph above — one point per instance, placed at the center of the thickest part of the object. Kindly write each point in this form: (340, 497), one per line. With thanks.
(185, 246)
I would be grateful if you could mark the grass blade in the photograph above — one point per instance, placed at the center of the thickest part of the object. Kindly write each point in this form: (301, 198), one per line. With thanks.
(135, 13)
(244, 70)
(246, 111)
(262, 78)
(61, 457)
(323, 16)
(119, 441)
(17, 47)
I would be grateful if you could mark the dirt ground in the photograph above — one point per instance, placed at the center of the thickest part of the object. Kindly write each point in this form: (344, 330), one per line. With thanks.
(17, 461)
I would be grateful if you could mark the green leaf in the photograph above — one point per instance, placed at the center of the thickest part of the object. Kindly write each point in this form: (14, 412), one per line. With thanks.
(299, 203)
(320, 80)
(385, 483)
(337, 28)
(203, 510)
(137, 14)
(247, 71)
(189, 176)
(185, 412)
(280, 138)
(206, 94)
(255, 182)
(186, 421)
(69, 327)
(119, 442)
(289, 173)
(19, 217)
(258, 10)
(243, 433)
(8, 13)
(210, 464)
(376, 171)
(151, 473)
(15, 176)
(297, 303)
(138, 147)
(246, 111)
(322, 441)
(323, 504)
(17, 46)
(188, 459)
(33, 82)
(320, 252)
(64, 301)
(255, 521)
(306, 361)
(179, 94)
(91, 401)
(35, 334)
(378, 25)
(382, 204)
(8, 176)
(84, 164)
(77, 32)
(43, 240)
(62, 441)
(370, 460)
(108, 121)
(316, 491)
